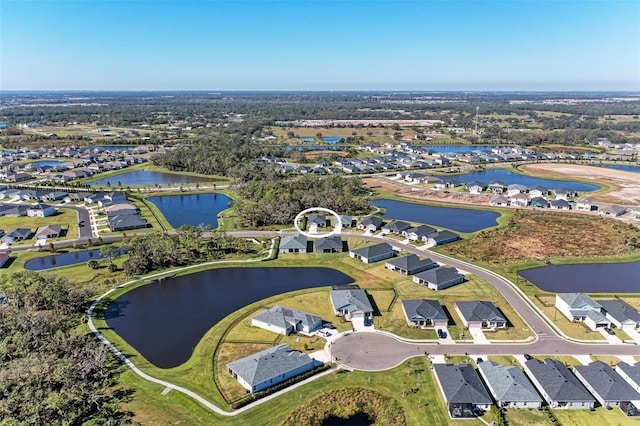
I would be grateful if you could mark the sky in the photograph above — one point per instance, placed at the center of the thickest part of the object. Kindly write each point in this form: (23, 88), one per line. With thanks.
(319, 45)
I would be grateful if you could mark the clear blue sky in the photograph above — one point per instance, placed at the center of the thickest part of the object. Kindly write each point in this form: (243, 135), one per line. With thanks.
(319, 45)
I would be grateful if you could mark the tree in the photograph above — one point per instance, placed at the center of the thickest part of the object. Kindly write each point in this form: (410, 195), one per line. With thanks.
(110, 252)
(93, 264)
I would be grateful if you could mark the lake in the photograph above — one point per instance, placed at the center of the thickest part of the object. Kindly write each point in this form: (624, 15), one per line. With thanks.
(47, 163)
(191, 209)
(145, 177)
(316, 147)
(327, 139)
(62, 259)
(586, 278)
(626, 168)
(164, 321)
(113, 147)
(457, 219)
(508, 177)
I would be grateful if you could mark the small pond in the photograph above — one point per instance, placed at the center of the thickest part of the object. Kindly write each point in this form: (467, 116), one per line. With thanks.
(164, 321)
(113, 147)
(145, 177)
(626, 168)
(327, 139)
(47, 163)
(63, 259)
(586, 277)
(457, 219)
(359, 419)
(191, 209)
(316, 147)
(508, 177)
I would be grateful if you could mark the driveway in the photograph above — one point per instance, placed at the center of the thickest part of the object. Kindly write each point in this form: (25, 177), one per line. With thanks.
(478, 335)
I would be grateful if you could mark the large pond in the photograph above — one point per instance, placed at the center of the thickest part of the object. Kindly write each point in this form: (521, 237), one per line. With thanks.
(191, 209)
(144, 177)
(508, 177)
(461, 220)
(47, 163)
(63, 259)
(626, 168)
(164, 321)
(327, 139)
(586, 278)
(359, 419)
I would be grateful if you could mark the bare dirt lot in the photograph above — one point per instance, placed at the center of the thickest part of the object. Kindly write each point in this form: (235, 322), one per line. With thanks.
(625, 185)
(421, 193)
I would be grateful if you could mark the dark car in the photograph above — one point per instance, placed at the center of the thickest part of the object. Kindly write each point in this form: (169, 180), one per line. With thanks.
(610, 331)
(442, 334)
(528, 357)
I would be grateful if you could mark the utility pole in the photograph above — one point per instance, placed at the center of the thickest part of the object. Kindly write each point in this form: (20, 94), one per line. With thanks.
(475, 132)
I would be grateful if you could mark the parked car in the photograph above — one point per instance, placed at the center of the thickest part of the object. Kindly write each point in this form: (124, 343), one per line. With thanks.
(609, 331)
(528, 357)
(442, 334)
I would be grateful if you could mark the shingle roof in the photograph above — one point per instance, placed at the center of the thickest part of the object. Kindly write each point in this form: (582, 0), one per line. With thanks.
(373, 251)
(297, 241)
(421, 230)
(397, 226)
(268, 364)
(620, 310)
(558, 382)
(578, 301)
(333, 242)
(606, 382)
(439, 275)
(284, 317)
(443, 236)
(409, 262)
(479, 310)
(352, 300)
(318, 219)
(424, 308)
(461, 384)
(633, 371)
(508, 382)
(371, 220)
(48, 230)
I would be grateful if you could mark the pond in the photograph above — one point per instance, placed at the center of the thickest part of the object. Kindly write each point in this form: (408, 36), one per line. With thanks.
(47, 163)
(508, 177)
(145, 177)
(316, 147)
(164, 321)
(63, 259)
(626, 168)
(113, 147)
(586, 277)
(359, 419)
(191, 209)
(457, 219)
(327, 139)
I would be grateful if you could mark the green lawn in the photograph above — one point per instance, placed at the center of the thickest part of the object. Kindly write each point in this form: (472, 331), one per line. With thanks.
(66, 218)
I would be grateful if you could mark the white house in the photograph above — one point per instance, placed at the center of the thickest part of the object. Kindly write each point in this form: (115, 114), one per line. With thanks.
(40, 210)
(283, 320)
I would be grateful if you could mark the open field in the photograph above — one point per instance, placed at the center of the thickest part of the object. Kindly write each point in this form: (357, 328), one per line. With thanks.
(66, 218)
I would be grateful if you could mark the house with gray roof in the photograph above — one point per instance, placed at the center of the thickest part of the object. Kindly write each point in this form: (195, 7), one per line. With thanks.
(270, 367)
(283, 320)
(346, 221)
(409, 265)
(319, 220)
(420, 232)
(396, 227)
(48, 231)
(620, 314)
(559, 204)
(40, 210)
(439, 278)
(331, 244)
(496, 186)
(442, 237)
(509, 386)
(462, 389)
(475, 187)
(374, 253)
(630, 373)
(539, 202)
(370, 223)
(293, 244)
(424, 313)
(605, 384)
(576, 306)
(480, 314)
(16, 234)
(351, 303)
(612, 210)
(499, 200)
(558, 385)
(515, 188)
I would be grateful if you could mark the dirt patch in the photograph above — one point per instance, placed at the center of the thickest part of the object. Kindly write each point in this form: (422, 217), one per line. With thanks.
(626, 185)
(425, 194)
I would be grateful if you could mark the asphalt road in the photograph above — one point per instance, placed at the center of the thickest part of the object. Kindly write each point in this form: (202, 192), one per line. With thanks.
(83, 215)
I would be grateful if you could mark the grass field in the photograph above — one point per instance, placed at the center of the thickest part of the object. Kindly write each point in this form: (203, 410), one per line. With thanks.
(66, 218)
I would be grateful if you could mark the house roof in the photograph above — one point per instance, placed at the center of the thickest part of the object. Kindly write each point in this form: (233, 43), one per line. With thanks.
(558, 382)
(538, 188)
(606, 382)
(409, 262)
(578, 301)
(373, 251)
(351, 300)
(461, 384)
(20, 232)
(633, 371)
(516, 186)
(559, 203)
(424, 308)
(334, 242)
(597, 317)
(620, 310)
(285, 317)
(297, 241)
(268, 364)
(397, 226)
(508, 382)
(48, 230)
(371, 220)
(476, 184)
(439, 275)
(613, 208)
(479, 310)
(496, 183)
(499, 199)
(318, 219)
(421, 230)
(443, 236)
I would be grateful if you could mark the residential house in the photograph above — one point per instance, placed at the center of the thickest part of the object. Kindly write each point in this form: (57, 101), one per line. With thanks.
(557, 385)
(420, 232)
(396, 227)
(576, 306)
(293, 244)
(331, 244)
(10, 210)
(509, 386)
(630, 373)
(462, 389)
(446, 183)
(54, 196)
(270, 367)
(346, 221)
(317, 220)
(584, 204)
(439, 278)
(605, 384)
(475, 187)
(499, 200)
(374, 253)
(4, 258)
(370, 224)
(560, 204)
(351, 303)
(16, 234)
(612, 210)
(424, 313)
(40, 210)
(515, 188)
(283, 320)
(496, 186)
(538, 191)
(442, 237)
(480, 314)
(620, 314)
(48, 231)
(565, 193)
(125, 222)
(539, 202)
(519, 200)
(409, 265)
